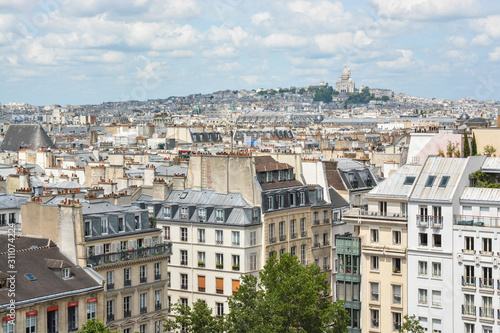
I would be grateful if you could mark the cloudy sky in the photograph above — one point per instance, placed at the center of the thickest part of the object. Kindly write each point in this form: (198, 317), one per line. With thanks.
(90, 51)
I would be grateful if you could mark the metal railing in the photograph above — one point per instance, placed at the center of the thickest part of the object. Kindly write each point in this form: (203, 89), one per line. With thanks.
(486, 283)
(110, 286)
(201, 289)
(486, 312)
(157, 306)
(326, 221)
(110, 317)
(219, 242)
(131, 254)
(316, 222)
(303, 234)
(184, 286)
(127, 313)
(478, 221)
(293, 235)
(219, 291)
(157, 277)
(127, 283)
(144, 309)
(272, 240)
(143, 279)
(468, 281)
(282, 238)
(184, 262)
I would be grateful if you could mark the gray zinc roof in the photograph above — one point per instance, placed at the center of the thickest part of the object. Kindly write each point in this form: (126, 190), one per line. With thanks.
(395, 186)
(25, 135)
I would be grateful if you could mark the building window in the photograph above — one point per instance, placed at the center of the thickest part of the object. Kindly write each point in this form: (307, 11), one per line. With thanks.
(396, 265)
(184, 281)
(487, 245)
(184, 257)
(142, 272)
(291, 198)
(236, 238)
(219, 237)
(396, 294)
(374, 263)
(143, 303)
(430, 181)
(269, 177)
(374, 235)
(202, 212)
(436, 240)
(137, 222)
(110, 310)
(220, 309)
(270, 202)
(219, 215)
(201, 235)
(168, 279)
(72, 318)
(469, 243)
(166, 233)
(436, 298)
(374, 316)
(302, 198)
(281, 201)
(201, 259)
(30, 324)
(303, 232)
(126, 277)
(469, 328)
(422, 239)
(104, 226)
(142, 328)
(281, 230)
(272, 238)
(253, 237)
(396, 319)
(253, 261)
(88, 229)
(444, 181)
(167, 212)
(374, 288)
(382, 205)
(219, 285)
(422, 296)
(293, 250)
(52, 321)
(436, 269)
(469, 308)
(293, 235)
(184, 213)
(91, 310)
(184, 301)
(110, 281)
(236, 262)
(487, 279)
(303, 254)
(422, 268)
(157, 271)
(184, 234)
(404, 209)
(219, 260)
(396, 237)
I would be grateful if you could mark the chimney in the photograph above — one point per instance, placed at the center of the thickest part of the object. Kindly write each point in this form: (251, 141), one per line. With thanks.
(179, 181)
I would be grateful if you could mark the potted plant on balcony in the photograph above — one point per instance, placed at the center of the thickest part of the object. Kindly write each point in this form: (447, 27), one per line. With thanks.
(236, 267)
(219, 265)
(456, 153)
(440, 152)
(489, 150)
(201, 264)
(450, 147)
(397, 270)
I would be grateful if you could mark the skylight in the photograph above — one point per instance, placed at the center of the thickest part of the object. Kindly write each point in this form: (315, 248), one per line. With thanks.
(30, 277)
(409, 180)
(183, 195)
(444, 181)
(430, 180)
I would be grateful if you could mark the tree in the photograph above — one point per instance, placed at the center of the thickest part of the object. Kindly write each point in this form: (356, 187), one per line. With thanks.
(288, 298)
(199, 319)
(473, 145)
(466, 148)
(489, 149)
(411, 324)
(94, 326)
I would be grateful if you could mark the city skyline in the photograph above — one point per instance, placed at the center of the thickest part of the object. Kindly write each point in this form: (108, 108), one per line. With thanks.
(65, 52)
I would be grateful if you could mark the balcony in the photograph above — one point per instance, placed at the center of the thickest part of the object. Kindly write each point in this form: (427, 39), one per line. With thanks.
(316, 222)
(127, 313)
(184, 262)
(435, 221)
(486, 313)
(144, 310)
(131, 254)
(477, 221)
(110, 286)
(375, 323)
(356, 213)
(219, 291)
(219, 242)
(127, 283)
(236, 267)
(184, 286)
(201, 264)
(397, 325)
(326, 221)
(110, 317)
(282, 238)
(303, 234)
(236, 243)
(143, 279)
(468, 310)
(184, 239)
(157, 277)
(157, 306)
(201, 289)
(219, 266)
(469, 281)
(272, 240)
(293, 236)
(485, 283)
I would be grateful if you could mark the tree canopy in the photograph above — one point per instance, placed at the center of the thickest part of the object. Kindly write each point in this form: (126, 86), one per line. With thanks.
(199, 319)
(288, 298)
(94, 326)
(411, 324)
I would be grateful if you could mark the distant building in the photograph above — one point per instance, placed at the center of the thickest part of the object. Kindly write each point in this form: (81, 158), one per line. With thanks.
(345, 83)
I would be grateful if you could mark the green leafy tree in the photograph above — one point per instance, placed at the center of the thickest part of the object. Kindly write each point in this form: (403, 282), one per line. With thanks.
(411, 324)
(466, 148)
(199, 319)
(473, 145)
(289, 298)
(94, 326)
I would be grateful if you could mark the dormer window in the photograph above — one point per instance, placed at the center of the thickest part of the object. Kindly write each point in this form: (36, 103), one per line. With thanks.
(184, 213)
(280, 175)
(291, 197)
(137, 222)
(220, 215)
(281, 200)
(88, 230)
(104, 226)
(320, 194)
(290, 174)
(121, 225)
(269, 177)
(66, 273)
(202, 212)
(167, 211)
(302, 198)
(270, 202)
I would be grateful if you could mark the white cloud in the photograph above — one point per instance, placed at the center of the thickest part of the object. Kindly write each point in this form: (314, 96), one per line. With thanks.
(335, 43)
(489, 26)
(495, 54)
(404, 62)
(321, 11)
(250, 79)
(258, 18)
(224, 34)
(457, 41)
(284, 41)
(223, 51)
(180, 54)
(426, 9)
(481, 40)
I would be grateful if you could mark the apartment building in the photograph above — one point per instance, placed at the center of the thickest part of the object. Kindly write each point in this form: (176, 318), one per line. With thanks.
(432, 204)
(51, 293)
(382, 230)
(120, 245)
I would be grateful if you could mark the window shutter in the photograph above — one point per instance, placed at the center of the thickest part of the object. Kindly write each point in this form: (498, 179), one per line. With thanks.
(219, 283)
(201, 282)
(236, 286)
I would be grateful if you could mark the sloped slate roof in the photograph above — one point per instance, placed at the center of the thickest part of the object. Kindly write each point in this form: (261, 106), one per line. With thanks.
(25, 136)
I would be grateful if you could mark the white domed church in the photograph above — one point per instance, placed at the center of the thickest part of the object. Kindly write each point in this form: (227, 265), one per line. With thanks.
(345, 84)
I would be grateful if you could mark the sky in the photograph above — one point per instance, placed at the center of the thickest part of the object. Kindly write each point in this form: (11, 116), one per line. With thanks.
(93, 51)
